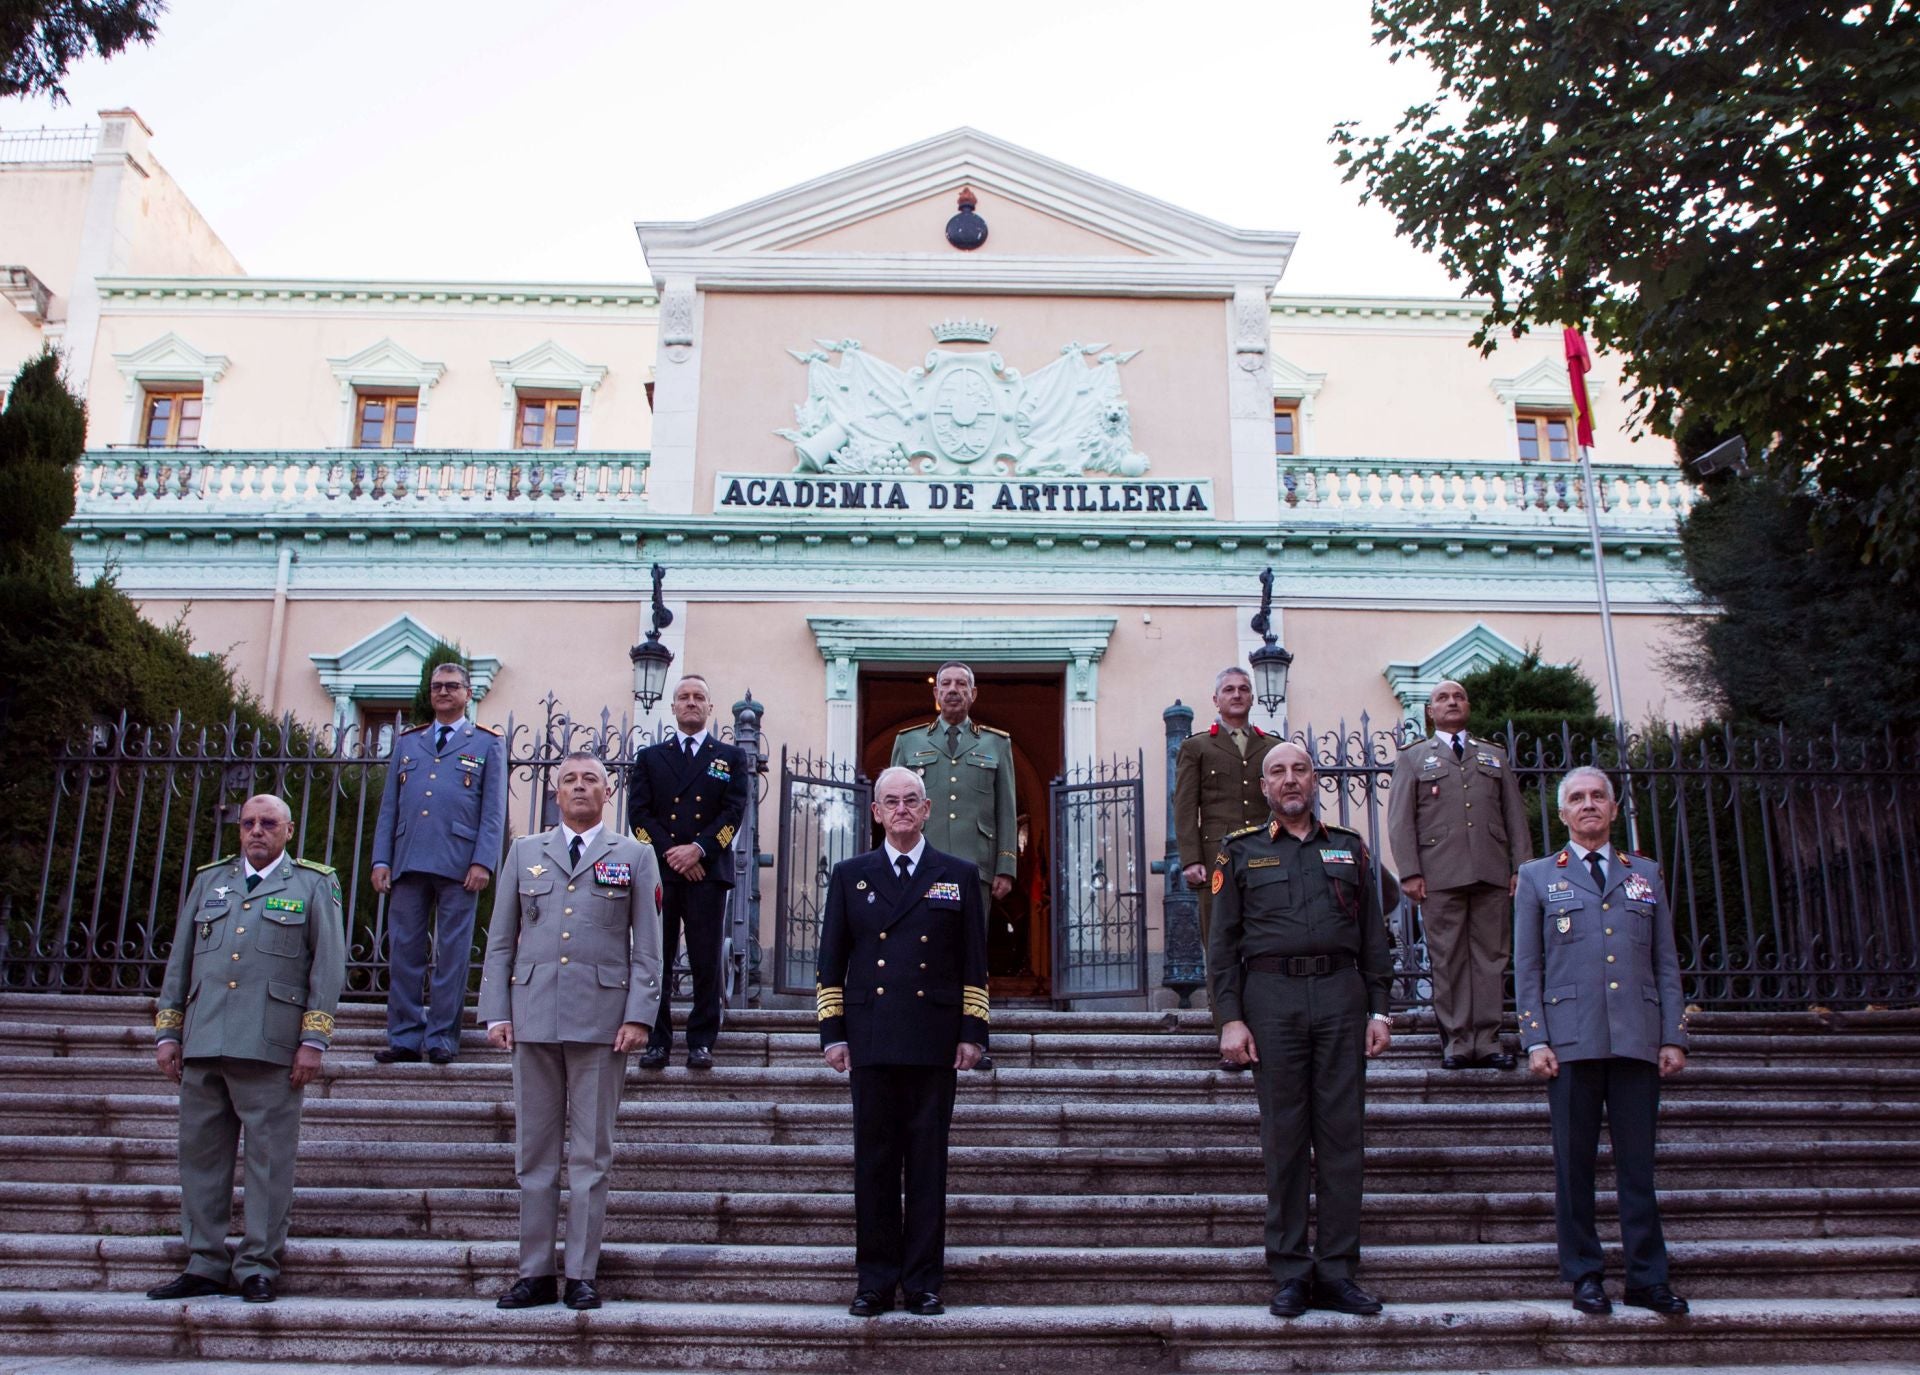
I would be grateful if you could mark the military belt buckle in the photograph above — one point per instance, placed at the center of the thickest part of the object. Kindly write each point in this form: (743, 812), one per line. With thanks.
(1301, 966)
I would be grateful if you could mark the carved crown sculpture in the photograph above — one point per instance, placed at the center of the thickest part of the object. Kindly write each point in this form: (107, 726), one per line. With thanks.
(965, 332)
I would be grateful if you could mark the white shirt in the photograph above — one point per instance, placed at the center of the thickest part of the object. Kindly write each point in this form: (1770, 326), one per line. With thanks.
(680, 740)
(913, 855)
(1447, 738)
(567, 834)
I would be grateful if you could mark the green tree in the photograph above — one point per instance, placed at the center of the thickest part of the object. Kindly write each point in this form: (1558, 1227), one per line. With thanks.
(442, 652)
(42, 38)
(42, 431)
(1538, 698)
(1723, 193)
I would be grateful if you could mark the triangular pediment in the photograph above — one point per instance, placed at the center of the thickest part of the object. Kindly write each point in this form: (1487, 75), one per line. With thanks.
(881, 223)
(386, 664)
(386, 363)
(1543, 384)
(548, 364)
(170, 356)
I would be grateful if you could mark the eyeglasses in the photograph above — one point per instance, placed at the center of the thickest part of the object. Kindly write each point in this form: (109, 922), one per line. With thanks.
(447, 687)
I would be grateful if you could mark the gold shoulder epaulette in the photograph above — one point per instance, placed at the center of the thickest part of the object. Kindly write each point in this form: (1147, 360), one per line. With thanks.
(1344, 830)
(316, 866)
(1245, 831)
(215, 863)
(995, 730)
(923, 726)
(415, 730)
(488, 729)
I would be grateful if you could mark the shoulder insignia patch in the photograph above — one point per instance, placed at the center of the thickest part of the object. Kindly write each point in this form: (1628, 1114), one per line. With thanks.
(995, 730)
(1214, 729)
(215, 863)
(1246, 830)
(488, 729)
(316, 866)
(415, 730)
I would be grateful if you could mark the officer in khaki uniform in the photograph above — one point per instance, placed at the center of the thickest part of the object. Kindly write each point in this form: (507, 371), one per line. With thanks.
(570, 985)
(245, 1011)
(967, 770)
(1216, 783)
(1459, 836)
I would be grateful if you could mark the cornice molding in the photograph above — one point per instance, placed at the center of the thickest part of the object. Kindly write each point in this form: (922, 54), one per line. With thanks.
(222, 293)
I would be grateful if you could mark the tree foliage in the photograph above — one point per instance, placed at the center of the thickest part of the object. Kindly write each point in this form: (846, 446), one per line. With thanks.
(1724, 193)
(1536, 697)
(442, 652)
(41, 430)
(43, 38)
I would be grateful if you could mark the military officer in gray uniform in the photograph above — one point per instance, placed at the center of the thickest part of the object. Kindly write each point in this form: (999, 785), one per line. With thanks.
(967, 770)
(1298, 970)
(570, 985)
(1597, 981)
(245, 1011)
(443, 818)
(1459, 835)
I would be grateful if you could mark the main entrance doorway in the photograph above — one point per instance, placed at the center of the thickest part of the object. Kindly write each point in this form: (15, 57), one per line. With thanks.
(1029, 703)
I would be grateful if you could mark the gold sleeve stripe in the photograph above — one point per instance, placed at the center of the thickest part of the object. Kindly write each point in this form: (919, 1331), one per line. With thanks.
(724, 836)
(320, 1022)
(973, 1003)
(169, 1019)
(642, 836)
(830, 1002)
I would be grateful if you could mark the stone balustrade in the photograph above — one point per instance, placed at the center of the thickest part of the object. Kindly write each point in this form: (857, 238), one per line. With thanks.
(1470, 492)
(111, 481)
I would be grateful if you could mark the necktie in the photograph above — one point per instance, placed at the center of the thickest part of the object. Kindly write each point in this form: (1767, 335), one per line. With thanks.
(440, 744)
(905, 866)
(688, 742)
(953, 740)
(1460, 748)
(253, 882)
(1598, 868)
(1240, 742)
(573, 851)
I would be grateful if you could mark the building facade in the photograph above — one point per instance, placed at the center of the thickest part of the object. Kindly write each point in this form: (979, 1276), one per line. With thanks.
(959, 401)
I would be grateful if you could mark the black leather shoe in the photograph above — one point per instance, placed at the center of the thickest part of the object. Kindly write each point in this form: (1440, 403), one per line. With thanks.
(581, 1295)
(1290, 1299)
(869, 1304)
(1500, 1059)
(1590, 1296)
(654, 1057)
(393, 1055)
(187, 1286)
(530, 1293)
(1233, 1067)
(1657, 1297)
(442, 1057)
(926, 1305)
(699, 1058)
(1455, 1062)
(257, 1289)
(1344, 1296)
(984, 1065)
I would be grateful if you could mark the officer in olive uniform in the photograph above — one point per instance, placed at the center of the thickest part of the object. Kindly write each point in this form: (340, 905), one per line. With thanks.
(1216, 783)
(1459, 835)
(1597, 979)
(1299, 970)
(902, 993)
(245, 1011)
(967, 769)
(443, 819)
(570, 984)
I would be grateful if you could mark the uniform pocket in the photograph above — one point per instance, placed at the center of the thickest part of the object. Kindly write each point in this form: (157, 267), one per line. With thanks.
(286, 1003)
(283, 933)
(1563, 1014)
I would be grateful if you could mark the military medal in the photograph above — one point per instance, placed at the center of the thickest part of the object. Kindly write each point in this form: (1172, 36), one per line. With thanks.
(223, 890)
(861, 884)
(536, 869)
(206, 929)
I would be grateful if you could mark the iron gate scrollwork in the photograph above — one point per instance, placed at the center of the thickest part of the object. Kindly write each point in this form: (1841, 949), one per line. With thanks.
(1100, 869)
(825, 817)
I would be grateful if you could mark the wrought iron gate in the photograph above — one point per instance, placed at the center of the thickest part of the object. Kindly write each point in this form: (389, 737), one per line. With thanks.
(1100, 869)
(824, 818)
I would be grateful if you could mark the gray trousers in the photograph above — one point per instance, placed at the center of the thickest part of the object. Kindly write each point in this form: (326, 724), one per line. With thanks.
(1311, 1036)
(1469, 939)
(219, 1097)
(564, 1091)
(409, 947)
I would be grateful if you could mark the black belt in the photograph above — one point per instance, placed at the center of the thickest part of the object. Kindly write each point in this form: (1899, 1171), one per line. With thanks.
(1300, 966)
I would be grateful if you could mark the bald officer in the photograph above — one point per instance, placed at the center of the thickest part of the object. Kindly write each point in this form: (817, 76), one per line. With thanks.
(245, 1011)
(1597, 979)
(443, 819)
(570, 985)
(1459, 836)
(967, 769)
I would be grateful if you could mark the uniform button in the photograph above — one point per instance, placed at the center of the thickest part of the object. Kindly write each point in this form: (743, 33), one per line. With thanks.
(1609, 959)
(1606, 906)
(1613, 985)
(236, 954)
(878, 991)
(566, 935)
(919, 993)
(1609, 930)
(423, 811)
(567, 913)
(953, 797)
(246, 907)
(432, 776)
(883, 936)
(232, 984)
(953, 816)
(429, 792)
(239, 930)
(569, 887)
(563, 959)
(923, 939)
(923, 964)
(882, 964)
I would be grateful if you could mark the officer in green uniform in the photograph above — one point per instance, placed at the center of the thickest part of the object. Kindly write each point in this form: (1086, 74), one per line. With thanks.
(244, 1013)
(1298, 968)
(967, 769)
(1216, 783)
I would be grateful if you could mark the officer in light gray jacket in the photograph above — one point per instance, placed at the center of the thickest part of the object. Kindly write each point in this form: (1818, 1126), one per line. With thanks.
(571, 985)
(1597, 980)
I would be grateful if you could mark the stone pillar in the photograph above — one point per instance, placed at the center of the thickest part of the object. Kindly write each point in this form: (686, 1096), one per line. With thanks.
(1183, 963)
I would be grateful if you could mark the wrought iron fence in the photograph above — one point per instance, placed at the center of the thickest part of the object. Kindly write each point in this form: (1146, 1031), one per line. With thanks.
(1791, 865)
(1100, 868)
(137, 809)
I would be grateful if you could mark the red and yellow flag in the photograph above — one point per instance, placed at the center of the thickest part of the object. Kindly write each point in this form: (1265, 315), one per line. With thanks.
(1579, 364)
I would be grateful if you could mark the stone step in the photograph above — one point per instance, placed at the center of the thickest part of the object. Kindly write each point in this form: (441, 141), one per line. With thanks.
(647, 1120)
(34, 1364)
(686, 1217)
(978, 1169)
(1012, 1049)
(348, 1075)
(967, 1341)
(1860, 1267)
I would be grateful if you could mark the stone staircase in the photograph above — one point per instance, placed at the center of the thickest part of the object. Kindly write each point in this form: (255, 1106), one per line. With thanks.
(1105, 1211)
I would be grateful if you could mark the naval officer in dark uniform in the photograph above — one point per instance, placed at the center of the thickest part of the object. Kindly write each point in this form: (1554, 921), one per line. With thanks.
(1298, 968)
(902, 990)
(685, 798)
(1597, 979)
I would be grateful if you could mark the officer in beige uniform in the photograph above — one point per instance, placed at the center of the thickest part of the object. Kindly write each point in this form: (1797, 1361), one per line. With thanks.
(245, 1011)
(1459, 837)
(967, 770)
(570, 985)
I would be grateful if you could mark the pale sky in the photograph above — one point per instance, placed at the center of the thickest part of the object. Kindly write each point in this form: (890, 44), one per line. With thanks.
(520, 141)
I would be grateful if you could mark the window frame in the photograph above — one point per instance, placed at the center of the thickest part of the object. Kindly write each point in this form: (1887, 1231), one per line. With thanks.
(1543, 418)
(550, 402)
(176, 393)
(388, 396)
(1290, 408)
